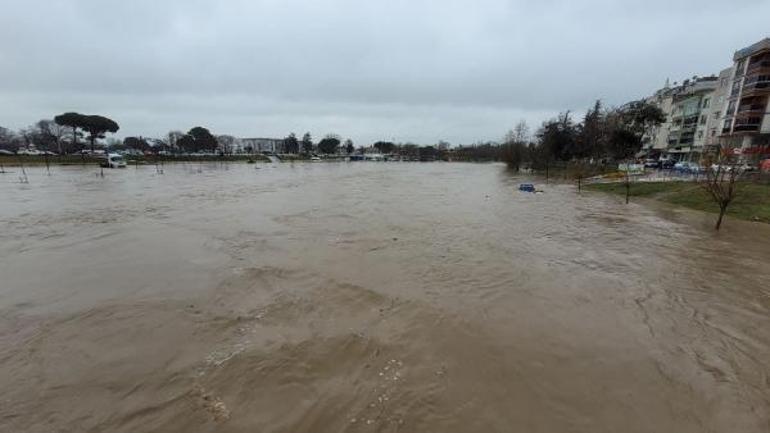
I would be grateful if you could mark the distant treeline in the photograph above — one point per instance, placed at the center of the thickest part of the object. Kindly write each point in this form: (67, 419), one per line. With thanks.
(602, 135)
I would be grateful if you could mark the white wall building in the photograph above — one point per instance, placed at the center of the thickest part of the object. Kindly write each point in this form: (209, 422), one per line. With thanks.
(262, 145)
(689, 110)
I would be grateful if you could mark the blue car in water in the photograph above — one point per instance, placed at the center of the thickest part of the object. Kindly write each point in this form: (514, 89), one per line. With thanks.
(527, 187)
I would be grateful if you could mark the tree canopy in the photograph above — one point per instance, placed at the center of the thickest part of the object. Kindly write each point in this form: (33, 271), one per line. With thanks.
(307, 143)
(329, 144)
(198, 139)
(384, 146)
(95, 125)
(291, 144)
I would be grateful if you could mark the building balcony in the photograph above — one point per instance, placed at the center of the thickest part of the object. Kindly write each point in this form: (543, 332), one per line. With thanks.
(756, 88)
(747, 123)
(756, 67)
(752, 108)
(746, 127)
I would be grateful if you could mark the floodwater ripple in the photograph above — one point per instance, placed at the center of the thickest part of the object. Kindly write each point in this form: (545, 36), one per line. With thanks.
(360, 297)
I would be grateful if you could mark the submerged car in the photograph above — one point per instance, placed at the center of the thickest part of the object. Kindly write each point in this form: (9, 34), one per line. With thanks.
(527, 187)
(114, 160)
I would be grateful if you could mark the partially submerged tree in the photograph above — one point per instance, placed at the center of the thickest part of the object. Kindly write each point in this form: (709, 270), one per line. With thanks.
(624, 143)
(514, 148)
(349, 148)
(558, 137)
(720, 181)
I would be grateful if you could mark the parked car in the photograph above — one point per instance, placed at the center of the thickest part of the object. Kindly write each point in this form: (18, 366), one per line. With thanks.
(651, 163)
(31, 152)
(717, 167)
(682, 166)
(694, 168)
(667, 164)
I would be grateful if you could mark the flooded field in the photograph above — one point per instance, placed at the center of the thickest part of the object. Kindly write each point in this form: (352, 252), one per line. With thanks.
(367, 297)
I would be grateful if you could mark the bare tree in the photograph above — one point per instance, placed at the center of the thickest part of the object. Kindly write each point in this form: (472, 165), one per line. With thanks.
(578, 170)
(720, 180)
(521, 132)
(514, 145)
(51, 134)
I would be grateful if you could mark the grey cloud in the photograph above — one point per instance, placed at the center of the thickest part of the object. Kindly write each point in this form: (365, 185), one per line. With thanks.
(419, 70)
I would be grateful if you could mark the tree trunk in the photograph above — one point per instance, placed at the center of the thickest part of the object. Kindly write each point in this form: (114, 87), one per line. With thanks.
(722, 211)
(628, 188)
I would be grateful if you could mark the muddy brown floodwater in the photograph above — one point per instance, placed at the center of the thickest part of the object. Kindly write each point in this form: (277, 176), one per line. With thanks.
(371, 297)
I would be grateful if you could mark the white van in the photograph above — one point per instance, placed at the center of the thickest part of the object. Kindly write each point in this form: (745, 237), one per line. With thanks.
(115, 160)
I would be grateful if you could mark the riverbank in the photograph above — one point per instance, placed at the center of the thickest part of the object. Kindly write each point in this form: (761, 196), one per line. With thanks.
(752, 202)
(37, 160)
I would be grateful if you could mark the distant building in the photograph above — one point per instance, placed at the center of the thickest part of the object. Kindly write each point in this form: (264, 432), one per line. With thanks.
(746, 122)
(689, 118)
(689, 112)
(718, 107)
(262, 145)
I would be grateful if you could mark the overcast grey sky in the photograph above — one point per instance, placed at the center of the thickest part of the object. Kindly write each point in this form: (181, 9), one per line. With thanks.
(413, 70)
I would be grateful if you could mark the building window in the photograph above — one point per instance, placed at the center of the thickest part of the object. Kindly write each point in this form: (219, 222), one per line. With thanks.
(700, 135)
(703, 119)
(706, 102)
(731, 108)
(740, 68)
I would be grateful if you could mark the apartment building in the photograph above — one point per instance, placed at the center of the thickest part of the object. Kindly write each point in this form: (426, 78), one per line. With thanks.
(746, 122)
(719, 105)
(689, 110)
(731, 109)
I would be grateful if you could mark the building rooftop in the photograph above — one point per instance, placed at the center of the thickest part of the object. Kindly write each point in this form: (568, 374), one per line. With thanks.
(764, 44)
